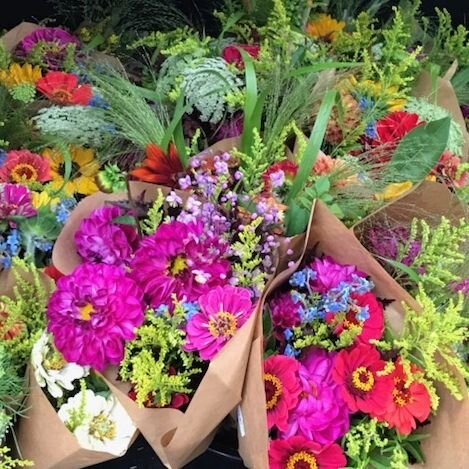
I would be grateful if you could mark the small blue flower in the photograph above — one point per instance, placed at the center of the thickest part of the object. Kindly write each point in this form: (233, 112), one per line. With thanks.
(365, 103)
(190, 309)
(298, 279)
(3, 157)
(363, 314)
(370, 130)
(63, 209)
(361, 285)
(98, 101)
(288, 334)
(290, 351)
(162, 309)
(44, 246)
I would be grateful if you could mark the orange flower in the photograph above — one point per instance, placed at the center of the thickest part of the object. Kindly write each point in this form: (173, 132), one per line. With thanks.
(158, 167)
(325, 27)
(63, 88)
(8, 331)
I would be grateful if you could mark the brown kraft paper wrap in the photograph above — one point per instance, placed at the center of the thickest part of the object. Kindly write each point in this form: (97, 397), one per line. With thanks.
(445, 98)
(445, 448)
(44, 439)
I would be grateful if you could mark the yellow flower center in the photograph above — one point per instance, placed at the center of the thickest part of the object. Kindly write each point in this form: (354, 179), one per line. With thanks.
(273, 390)
(24, 172)
(178, 265)
(54, 362)
(401, 395)
(102, 428)
(223, 324)
(62, 96)
(303, 460)
(86, 312)
(363, 379)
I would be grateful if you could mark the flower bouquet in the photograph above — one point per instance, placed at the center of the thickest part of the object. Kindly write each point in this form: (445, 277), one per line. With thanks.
(350, 373)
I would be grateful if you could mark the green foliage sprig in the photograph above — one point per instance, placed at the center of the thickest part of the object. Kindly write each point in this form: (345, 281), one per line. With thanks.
(154, 216)
(7, 462)
(149, 357)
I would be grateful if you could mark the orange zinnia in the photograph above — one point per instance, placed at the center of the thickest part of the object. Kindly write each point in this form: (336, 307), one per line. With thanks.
(159, 167)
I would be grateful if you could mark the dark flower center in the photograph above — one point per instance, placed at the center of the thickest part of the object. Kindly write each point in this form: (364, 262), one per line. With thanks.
(273, 390)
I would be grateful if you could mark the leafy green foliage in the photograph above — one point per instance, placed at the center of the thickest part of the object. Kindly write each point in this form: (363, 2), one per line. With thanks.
(154, 216)
(153, 353)
(7, 462)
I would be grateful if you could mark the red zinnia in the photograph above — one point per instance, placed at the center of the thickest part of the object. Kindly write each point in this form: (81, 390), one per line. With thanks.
(63, 88)
(280, 171)
(158, 167)
(52, 272)
(282, 388)
(409, 403)
(297, 452)
(372, 327)
(363, 388)
(232, 55)
(24, 167)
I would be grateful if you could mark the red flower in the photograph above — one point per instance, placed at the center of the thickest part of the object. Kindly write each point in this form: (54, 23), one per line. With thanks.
(232, 55)
(389, 131)
(158, 167)
(363, 388)
(408, 404)
(447, 167)
(282, 388)
(63, 88)
(24, 167)
(372, 327)
(297, 452)
(278, 173)
(52, 272)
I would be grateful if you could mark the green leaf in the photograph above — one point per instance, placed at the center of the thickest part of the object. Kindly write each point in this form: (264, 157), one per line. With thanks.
(124, 220)
(419, 151)
(296, 219)
(313, 146)
(322, 185)
(411, 273)
(323, 66)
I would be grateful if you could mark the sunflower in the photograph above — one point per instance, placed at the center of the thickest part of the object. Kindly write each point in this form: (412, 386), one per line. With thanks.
(18, 74)
(324, 27)
(84, 170)
(43, 199)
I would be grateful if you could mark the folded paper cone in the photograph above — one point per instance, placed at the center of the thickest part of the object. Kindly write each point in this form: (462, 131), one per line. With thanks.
(44, 439)
(446, 447)
(13, 37)
(445, 98)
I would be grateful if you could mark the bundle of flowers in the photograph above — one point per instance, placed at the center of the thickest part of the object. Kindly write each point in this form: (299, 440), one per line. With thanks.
(353, 378)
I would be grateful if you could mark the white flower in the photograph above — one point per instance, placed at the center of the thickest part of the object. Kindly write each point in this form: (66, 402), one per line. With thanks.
(98, 424)
(51, 370)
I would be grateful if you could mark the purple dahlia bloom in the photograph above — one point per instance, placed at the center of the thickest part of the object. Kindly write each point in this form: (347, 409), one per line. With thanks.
(100, 240)
(15, 200)
(181, 259)
(321, 414)
(92, 313)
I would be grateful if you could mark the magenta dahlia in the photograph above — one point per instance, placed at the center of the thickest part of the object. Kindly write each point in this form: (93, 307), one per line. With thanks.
(92, 313)
(285, 313)
(100, 240)
(223, 311)
(181, 259)
(15, 200)
(321, 414)
(329, 274)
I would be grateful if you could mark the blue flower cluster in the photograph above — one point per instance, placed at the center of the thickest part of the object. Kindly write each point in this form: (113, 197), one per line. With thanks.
(10, 245)
(63, 209)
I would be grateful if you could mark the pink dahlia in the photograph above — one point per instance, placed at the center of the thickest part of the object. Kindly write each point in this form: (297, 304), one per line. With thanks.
(15, 200)
(298, 452)
(92, 313)
(284, 312)
(282, 389)
(321, 414)
(180, 259)
(223, 311)
(366, 312)
(329, 274)
(100, 240)
(22, 166)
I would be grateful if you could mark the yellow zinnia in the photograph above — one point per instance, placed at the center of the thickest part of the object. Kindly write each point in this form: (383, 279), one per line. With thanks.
(84, 170)
(43, 199)
(394, 190)
(18, 74)
(325, 27)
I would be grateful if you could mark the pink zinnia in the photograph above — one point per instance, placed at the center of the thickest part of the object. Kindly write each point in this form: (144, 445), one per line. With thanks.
(298, 452)
(282, 389)
(223, 311)
(15, 200)
(92, 313)
(180, 259)
(22, 166)
(100, 240)
(284, 312)
(321, 414)
(329, 274)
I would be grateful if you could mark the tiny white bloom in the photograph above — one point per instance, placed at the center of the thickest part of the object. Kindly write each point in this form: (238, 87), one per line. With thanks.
(201, 276)
(105, 425)
(51, 370)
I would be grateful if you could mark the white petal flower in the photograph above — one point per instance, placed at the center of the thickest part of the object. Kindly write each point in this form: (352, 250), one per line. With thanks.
(51, 370)
(104, 426)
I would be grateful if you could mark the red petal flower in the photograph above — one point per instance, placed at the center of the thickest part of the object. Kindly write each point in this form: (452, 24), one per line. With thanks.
(282, 388)
(408, 404)
(232, 55)
(52, 272)
(356, 370)
(158, 167)
(297, 452)
(289, 168)
(24, 167)
(63, 88)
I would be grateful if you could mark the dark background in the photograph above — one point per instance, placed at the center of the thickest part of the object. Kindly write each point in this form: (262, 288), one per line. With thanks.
(15, 11)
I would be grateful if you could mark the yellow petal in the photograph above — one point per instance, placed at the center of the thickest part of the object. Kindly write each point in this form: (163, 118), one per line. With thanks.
(394, 190)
